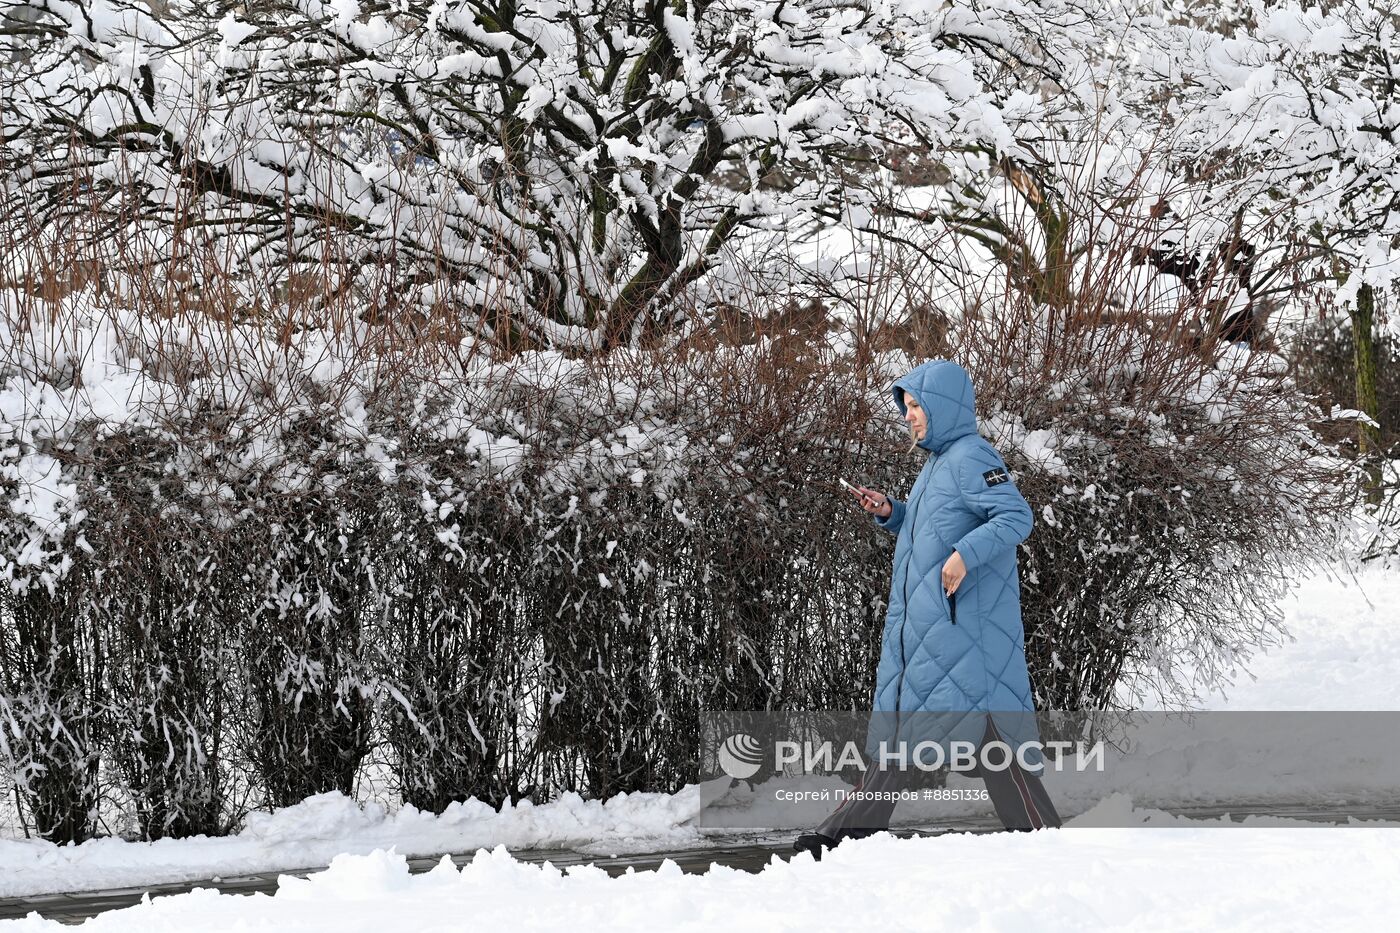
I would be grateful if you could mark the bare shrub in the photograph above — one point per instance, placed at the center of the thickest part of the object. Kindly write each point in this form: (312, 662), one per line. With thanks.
(164, 608)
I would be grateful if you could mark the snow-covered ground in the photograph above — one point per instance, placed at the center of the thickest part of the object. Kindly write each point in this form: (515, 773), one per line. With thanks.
(1345, 651)
(319, 828)
(1097, 879)
(1343, 656)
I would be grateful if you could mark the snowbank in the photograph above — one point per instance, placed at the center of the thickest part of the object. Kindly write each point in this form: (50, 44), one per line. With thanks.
(319, 828)
(1192, 879)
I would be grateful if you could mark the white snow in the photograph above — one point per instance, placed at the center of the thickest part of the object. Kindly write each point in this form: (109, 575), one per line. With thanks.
(319, 828)
(1344, 653)
(1143, 880)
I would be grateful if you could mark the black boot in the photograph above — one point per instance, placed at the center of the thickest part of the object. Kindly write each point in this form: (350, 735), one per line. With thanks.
(814, 843)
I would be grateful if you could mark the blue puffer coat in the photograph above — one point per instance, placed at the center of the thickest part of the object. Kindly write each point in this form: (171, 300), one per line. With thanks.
(963, 656)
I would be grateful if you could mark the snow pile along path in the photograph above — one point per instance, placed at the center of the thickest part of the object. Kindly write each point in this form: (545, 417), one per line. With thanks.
(319, 828)
(1144, 880)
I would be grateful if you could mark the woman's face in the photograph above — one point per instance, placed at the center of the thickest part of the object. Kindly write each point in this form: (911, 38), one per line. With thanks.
(915, 416)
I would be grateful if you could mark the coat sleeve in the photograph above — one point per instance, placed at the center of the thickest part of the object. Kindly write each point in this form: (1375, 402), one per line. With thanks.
(1005, 513)
(896, 517)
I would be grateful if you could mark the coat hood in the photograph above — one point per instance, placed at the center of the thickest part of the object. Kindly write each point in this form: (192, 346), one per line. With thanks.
(944, 391)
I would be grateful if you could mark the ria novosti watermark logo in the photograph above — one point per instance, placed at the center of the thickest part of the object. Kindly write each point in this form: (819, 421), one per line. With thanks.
(742, 756)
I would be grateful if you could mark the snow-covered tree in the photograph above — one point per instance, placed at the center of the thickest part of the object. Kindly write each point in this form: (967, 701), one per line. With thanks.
(1298, 103)
(552, 172)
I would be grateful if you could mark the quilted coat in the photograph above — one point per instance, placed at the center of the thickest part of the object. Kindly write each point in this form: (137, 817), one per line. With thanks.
(951, 660)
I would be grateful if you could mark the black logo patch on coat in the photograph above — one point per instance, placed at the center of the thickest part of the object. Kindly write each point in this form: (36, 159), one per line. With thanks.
(998, 475)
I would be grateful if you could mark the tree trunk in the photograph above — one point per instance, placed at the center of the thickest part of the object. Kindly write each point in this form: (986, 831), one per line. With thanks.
(1366, 363)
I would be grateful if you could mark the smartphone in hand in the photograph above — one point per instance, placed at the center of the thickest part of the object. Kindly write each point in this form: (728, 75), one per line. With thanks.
(856, 490)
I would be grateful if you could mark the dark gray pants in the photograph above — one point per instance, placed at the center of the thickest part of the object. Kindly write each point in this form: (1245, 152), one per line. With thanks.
(1018, 796)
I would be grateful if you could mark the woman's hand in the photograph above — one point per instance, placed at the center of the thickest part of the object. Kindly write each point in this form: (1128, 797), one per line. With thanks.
(876, 503)
(953, 572)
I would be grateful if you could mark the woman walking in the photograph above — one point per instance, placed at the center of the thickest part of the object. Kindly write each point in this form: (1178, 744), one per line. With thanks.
(952, 662)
